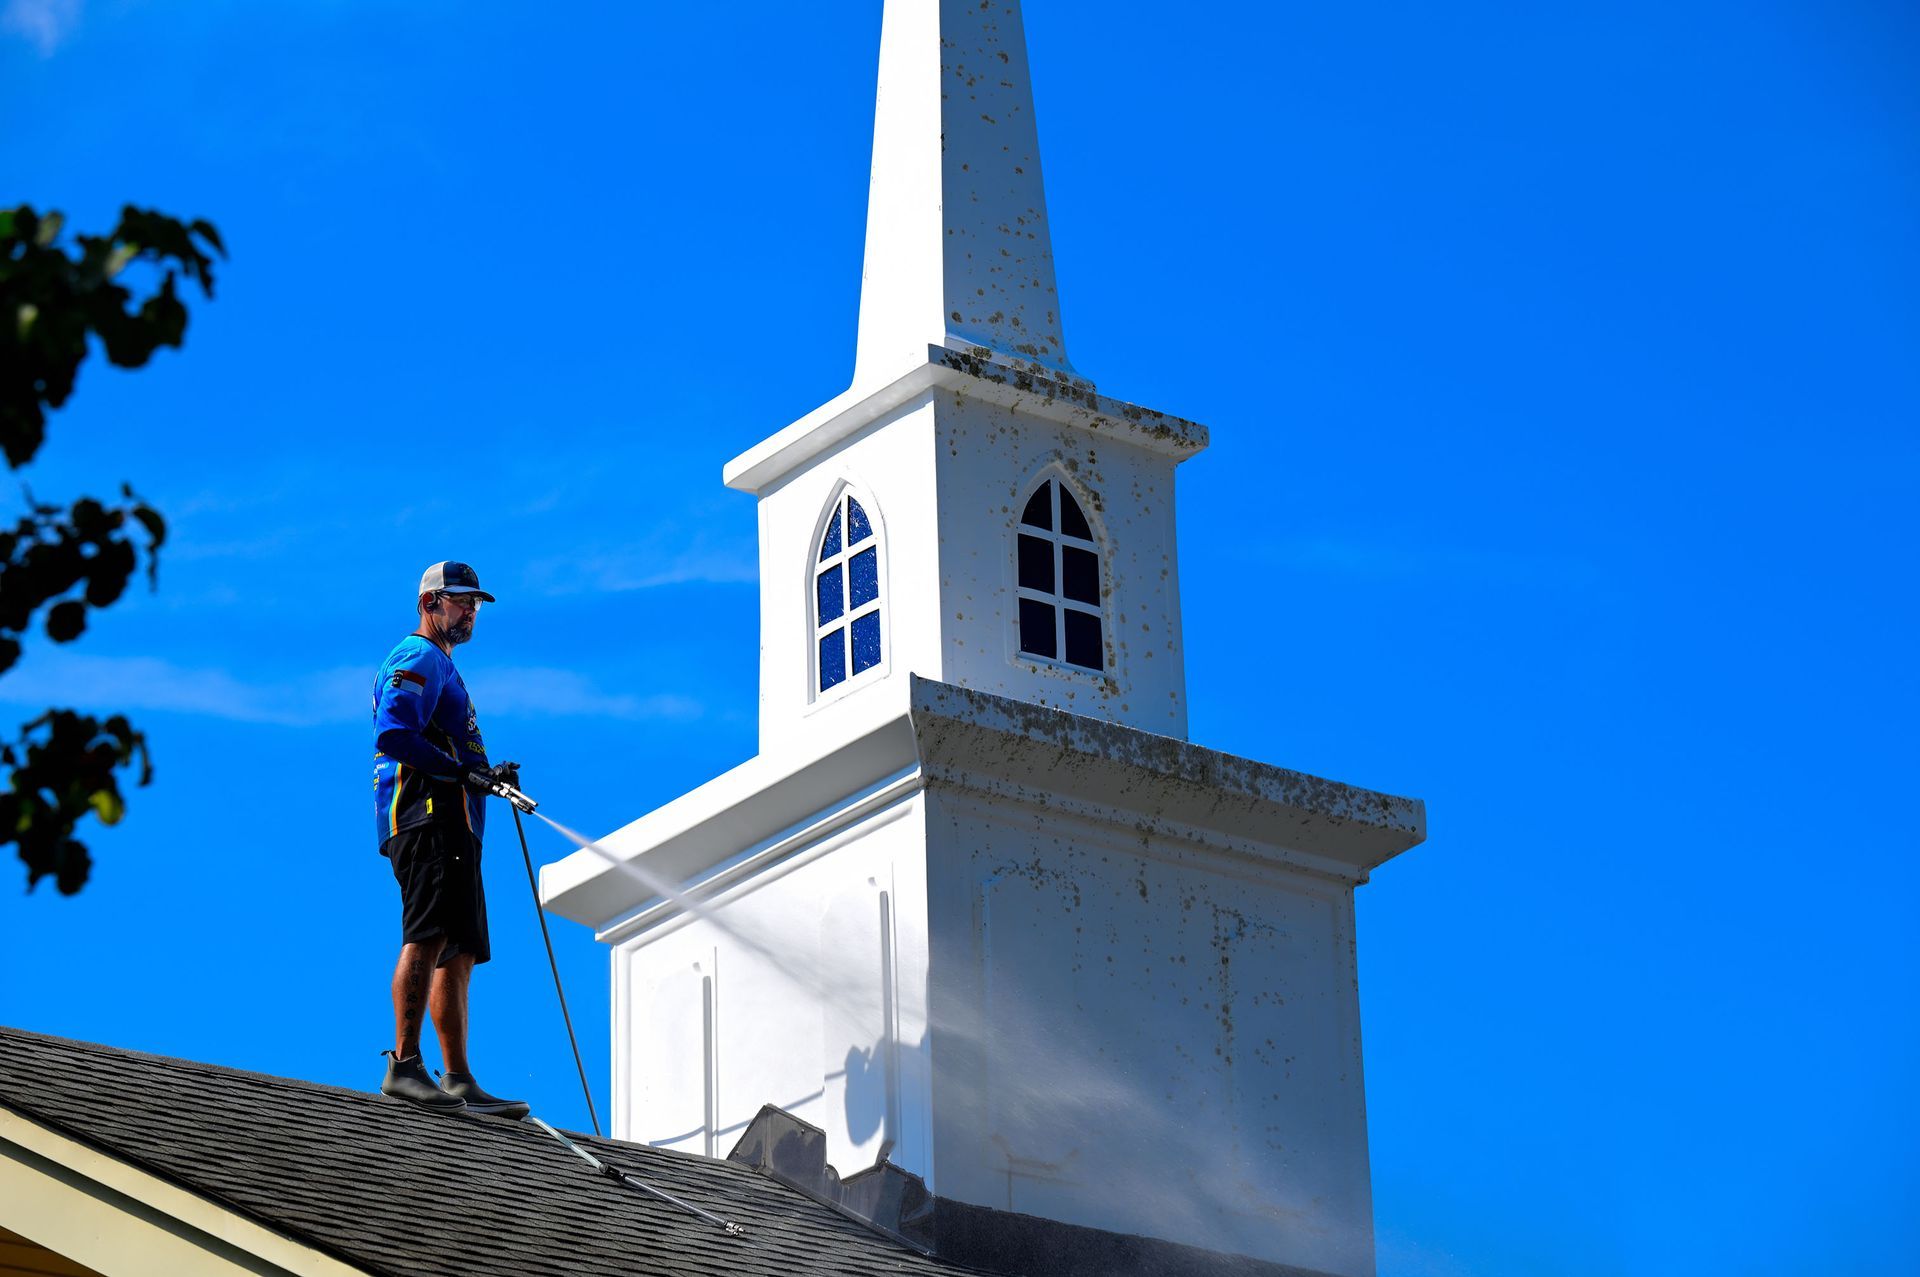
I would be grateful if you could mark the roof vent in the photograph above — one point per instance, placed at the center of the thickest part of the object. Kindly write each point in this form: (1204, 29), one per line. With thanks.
(883, 1197)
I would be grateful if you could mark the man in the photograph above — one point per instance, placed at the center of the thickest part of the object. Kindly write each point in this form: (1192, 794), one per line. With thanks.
(430, 818)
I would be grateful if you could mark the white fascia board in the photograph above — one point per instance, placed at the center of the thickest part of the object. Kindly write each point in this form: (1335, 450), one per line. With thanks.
(831, 424)
(736, 813)
(121, 1221)
(978, 373)
(1023, 751)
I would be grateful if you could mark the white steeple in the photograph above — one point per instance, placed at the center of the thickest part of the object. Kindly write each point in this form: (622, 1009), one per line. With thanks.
(977, 911)
(958, 248)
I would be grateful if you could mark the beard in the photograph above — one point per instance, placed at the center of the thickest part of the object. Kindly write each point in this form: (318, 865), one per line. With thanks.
(460, 631)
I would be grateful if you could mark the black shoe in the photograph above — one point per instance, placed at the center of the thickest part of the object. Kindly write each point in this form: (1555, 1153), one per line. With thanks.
(477, 1100)
(407, 1080)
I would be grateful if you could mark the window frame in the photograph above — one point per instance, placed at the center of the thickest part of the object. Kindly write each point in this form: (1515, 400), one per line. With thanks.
(816, 567)
(1058, 541)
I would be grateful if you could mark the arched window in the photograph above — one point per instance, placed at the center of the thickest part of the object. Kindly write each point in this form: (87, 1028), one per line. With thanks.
(1058, 564)
(846, 596)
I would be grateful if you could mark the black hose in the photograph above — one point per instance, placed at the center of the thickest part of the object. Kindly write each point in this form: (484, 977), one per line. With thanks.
(534, 886)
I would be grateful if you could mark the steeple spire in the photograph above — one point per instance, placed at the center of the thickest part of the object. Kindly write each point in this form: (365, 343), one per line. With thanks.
(958, 247)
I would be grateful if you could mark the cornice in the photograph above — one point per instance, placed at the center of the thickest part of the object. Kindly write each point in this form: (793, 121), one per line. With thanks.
(924, 733)
(974, 372)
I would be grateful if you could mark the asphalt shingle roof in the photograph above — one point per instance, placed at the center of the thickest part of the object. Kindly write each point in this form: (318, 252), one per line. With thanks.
(404, 1193)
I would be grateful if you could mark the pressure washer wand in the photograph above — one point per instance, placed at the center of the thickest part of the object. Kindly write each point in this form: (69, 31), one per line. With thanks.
(501, 789)
(522, 803)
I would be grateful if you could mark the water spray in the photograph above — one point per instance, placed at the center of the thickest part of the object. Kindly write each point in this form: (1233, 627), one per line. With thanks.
(793, 966)
(521, 802)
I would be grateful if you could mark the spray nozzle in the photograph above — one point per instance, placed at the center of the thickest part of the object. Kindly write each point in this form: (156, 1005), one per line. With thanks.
(501, 789)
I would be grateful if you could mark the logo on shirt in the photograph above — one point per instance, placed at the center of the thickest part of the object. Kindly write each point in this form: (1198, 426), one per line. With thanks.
(407, 681)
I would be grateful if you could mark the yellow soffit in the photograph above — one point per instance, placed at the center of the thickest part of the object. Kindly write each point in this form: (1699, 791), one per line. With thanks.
(121, 1221)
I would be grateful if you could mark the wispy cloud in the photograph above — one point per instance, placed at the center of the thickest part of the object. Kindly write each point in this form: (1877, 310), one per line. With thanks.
(269, 544)
(313, 698)
(45, 24)
(640, 570)
(540, 692)
(133, 683)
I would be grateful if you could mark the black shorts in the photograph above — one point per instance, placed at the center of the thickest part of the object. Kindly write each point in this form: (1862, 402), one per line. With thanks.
(438, 869)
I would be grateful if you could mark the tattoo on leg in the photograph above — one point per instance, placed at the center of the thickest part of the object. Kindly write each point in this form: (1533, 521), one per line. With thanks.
(415, 976)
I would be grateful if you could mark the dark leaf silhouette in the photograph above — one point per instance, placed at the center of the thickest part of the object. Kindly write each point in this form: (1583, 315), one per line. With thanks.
(70, 770)
(66, 621)
(58, 302)
(50, 553)
(52, 301)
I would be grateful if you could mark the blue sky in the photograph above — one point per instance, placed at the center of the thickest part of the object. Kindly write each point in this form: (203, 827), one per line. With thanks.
(1561, 368)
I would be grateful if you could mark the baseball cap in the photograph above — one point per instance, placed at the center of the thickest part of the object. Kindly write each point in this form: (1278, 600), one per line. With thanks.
(452, 578)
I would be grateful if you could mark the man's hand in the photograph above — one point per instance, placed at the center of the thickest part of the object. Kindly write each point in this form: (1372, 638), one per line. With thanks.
(481, 780)
(488, 781)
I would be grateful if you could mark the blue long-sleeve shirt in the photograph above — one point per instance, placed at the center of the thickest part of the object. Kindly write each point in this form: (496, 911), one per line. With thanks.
(426, 736)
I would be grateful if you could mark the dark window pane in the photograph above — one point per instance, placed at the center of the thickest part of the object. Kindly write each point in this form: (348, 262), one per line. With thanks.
(833, 659)
(1040, 507)
(1036, 564)
(863, 577)
(1036, 629)
(858, 529)
(1083, 640)
(1072, 522)
(832, 601)
(1080, 575)
(831, 546)
(866, 642)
